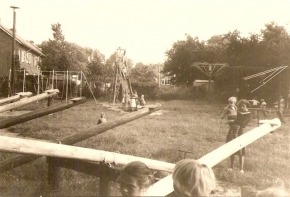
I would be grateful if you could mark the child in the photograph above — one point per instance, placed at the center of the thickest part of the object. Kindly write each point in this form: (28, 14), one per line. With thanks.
(142, 100)
(230, 110)
(254, 102)
(263, 104)
(135, 179)
(135, 95)
(263, 107)
(243, 118)
(191, 178)
(102, 119)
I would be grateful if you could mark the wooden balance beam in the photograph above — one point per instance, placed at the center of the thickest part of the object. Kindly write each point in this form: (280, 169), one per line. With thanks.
(26, 100)
(40, 112)
(16, 97)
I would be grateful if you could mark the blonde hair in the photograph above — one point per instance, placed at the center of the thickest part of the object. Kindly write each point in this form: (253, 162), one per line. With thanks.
(191, 178)
(232, 99)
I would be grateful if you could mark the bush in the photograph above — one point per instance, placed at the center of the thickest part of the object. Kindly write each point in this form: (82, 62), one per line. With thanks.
(176, 93)
(149, 89)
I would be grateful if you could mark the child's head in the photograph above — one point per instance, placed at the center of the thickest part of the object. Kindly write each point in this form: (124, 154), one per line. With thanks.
(262, 100)
(191, 178)
(232, 100)
(135, 178)
(102, 115)
(243, 105)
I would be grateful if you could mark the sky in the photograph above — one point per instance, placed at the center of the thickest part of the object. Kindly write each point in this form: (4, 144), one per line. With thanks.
(146, 29)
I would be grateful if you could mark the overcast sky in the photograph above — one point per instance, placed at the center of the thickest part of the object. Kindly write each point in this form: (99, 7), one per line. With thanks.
(145, 28)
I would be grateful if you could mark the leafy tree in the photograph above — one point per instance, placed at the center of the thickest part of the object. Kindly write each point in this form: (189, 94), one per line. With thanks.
(59, 54)
(143, 73)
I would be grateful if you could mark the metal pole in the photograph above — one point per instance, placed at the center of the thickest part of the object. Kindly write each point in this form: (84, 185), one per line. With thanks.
(81, 85)
(66, 91)
(38, 81)
(52, 79)
(209, 85)
(115, 84)
(23, 88)
(13, 52)
(158, 75)
(9, 84)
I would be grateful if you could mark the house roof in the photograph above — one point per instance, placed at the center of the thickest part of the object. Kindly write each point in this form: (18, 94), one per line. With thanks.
(22, 41)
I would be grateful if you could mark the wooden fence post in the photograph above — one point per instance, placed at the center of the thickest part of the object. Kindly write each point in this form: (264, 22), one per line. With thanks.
(49, 101)
(104, 182)
(53, 173)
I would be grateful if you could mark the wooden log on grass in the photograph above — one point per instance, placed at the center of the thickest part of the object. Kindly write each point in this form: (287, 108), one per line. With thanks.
(165, 185)
(39, 113)
(27, 100)
(81, 135)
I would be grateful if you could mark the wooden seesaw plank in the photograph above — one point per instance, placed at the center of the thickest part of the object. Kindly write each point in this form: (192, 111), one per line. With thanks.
(36, 147)
(19, 160)
(26, 100)
(165, 185)
(15, 97)
(40, 112)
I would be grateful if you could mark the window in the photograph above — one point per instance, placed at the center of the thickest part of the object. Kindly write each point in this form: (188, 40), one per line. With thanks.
(19, 54)
(36, 60)
(28, 60)
(23, 56)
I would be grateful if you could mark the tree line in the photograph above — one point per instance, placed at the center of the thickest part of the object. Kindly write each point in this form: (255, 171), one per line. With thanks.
(244, 55)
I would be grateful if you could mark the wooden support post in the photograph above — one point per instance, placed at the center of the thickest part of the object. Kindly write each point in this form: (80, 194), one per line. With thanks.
(53, 173)
(49, 101)
(104, 182)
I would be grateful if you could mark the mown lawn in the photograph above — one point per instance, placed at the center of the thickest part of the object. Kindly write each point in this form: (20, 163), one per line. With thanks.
(183, 125)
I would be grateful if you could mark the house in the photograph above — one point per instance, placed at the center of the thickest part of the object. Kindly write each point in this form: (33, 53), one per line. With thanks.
(199, 83)
(27, 56)
(165, 80)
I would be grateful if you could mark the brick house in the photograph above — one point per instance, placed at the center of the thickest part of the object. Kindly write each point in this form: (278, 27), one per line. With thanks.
(28, 57)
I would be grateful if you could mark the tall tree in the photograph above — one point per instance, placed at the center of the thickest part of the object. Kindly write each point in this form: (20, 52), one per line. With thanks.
(56, 51)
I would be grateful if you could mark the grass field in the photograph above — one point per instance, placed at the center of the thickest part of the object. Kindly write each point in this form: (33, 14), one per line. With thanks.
(182, 125)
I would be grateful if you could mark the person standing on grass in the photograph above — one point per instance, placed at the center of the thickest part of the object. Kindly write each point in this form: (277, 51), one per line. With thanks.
(192, 178)
(230, 110)
(102, 118)
(142, 100)
(135, 95)
(255, 102)
(135, 179)
(237, 126)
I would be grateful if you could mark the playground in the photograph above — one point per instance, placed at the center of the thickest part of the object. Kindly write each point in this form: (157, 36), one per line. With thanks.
(180, 129)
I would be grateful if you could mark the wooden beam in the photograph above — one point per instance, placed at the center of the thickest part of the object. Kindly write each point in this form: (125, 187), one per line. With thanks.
(25, 101)
(16, 97)
(39, 113)
(165, 185)
(37, 147)
(19, 160)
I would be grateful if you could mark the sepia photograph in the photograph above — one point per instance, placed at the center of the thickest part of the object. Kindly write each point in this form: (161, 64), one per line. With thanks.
(144, 98)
